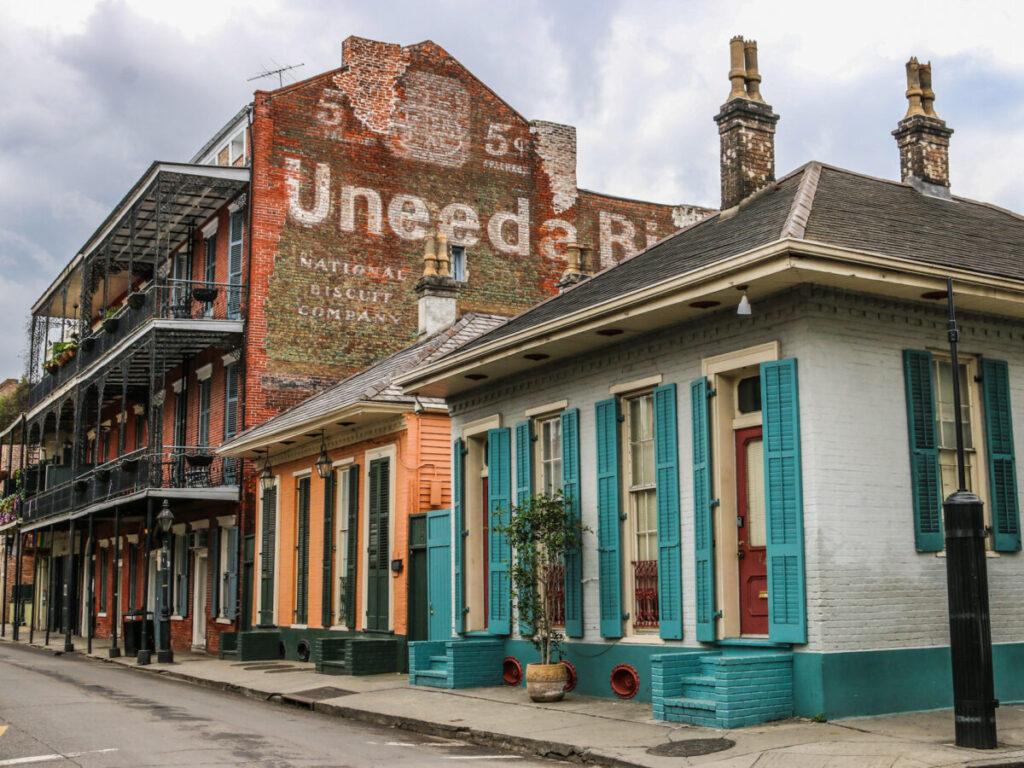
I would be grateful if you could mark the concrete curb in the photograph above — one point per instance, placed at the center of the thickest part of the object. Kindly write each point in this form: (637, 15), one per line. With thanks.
(523, 745)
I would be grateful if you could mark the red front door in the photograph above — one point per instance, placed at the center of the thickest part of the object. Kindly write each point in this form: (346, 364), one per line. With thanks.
(752, 533)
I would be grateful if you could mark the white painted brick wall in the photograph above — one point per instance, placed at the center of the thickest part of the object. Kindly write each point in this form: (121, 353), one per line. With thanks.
(867, 587)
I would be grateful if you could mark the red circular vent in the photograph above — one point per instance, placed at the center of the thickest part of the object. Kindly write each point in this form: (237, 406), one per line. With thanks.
(511, 671)
(570, 676)
(625, 681)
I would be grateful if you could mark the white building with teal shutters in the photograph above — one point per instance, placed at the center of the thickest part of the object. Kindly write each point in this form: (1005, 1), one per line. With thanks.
(761, 491)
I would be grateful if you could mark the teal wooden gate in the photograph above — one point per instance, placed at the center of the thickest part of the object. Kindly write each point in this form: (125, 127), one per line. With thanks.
(439, 574)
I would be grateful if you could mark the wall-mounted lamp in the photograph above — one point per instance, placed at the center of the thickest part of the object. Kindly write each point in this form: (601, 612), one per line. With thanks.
(743, 308)
(266, 476)
(323, 463)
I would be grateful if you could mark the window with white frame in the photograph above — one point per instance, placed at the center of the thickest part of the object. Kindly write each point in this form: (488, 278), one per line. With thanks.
(641, 510)
(549, 454)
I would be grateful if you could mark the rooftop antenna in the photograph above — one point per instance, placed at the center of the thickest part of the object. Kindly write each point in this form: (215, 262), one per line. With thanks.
(279, 72)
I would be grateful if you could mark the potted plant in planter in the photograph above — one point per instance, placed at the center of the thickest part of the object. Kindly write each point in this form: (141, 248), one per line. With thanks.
(199, 459)
(136, 299)
(541, 532)
(204, 294)
(110, 322)
(51, 367)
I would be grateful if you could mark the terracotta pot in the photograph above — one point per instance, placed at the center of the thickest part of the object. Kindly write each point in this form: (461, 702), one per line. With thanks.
(545, 682)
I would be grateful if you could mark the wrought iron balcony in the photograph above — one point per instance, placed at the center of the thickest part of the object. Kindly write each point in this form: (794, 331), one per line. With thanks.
(185, 471)
(175, 306)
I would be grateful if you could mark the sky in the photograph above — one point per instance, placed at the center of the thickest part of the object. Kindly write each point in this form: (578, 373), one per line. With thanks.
(93, 92)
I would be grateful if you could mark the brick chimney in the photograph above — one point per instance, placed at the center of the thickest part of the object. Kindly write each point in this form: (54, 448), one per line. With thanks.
(922, 137)
(437, 289)
(578, 266)
(746, 126)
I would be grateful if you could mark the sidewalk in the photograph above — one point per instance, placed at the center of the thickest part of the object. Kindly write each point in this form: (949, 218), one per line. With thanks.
(597, 731)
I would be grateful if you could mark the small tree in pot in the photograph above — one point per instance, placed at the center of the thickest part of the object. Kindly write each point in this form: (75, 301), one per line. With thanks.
(541, 532)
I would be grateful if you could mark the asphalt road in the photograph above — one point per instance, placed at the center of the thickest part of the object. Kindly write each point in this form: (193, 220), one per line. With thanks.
(68, 710)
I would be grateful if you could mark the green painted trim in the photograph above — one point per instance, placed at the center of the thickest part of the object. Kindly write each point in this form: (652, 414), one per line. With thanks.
(862, 683)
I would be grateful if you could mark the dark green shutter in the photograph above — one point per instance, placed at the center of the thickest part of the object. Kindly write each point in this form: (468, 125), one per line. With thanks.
(573, 496)
(378, 545)
(666, 465)
(268, 546)
(231, 576)
(181, 572)
(1002, 462)
(524, 489)
(458, 531)
(703, 530)
(924, 451)
(302, 554)
(499, 555)
(103, 558)
(608, 562)
(352, 547)
(784, 510)
(230, 400)
(328, 563)
(215, 572)
(237, 228)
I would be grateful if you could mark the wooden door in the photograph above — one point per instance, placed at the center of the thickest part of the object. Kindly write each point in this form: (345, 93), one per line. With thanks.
(417, 574)
(751, 550)
(439, 577)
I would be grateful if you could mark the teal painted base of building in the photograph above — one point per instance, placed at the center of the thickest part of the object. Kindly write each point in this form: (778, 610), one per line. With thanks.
(862, 683)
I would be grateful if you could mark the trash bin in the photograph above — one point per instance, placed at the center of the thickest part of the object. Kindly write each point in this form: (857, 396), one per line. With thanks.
(130, 628)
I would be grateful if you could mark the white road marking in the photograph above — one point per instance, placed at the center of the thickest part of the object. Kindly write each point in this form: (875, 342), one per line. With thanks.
(45, 758)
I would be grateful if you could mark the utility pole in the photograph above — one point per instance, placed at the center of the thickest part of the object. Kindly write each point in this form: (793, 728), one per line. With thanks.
(970, 636)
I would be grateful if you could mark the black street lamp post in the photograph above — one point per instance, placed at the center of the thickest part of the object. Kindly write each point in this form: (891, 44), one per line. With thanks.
(970, 637)
(164, 520)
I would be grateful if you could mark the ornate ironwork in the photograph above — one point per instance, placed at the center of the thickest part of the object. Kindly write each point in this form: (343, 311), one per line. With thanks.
(645, 590)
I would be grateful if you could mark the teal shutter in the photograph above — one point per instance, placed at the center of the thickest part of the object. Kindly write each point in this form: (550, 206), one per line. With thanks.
(352, 547)
(1002, 462)
(571, 489)
(703, 532)
(326, 588)
(608, 562)
(231, 576)
(784, 506)
(924, 451)
(666, 468)
(237, 228)
(524, 489)
(499, 556)
(458, 531)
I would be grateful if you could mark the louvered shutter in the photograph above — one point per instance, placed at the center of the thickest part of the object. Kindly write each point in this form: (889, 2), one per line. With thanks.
(328, 554)
(458, 531)
(1002, 462)
(231, 576)
(268, 546)
(215, 568)
(703, 532)
(302, 554)
(524, 489)
(230, 400)
(499, 502)
(181, 570)
(352, 547)
(237, 226)
(608, 518)
(666, 464)
(924, 451)
(784, 511)
(573, 497)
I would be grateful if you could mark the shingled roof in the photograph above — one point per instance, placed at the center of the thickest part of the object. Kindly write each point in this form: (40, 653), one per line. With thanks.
(818, 203)
(374, 384)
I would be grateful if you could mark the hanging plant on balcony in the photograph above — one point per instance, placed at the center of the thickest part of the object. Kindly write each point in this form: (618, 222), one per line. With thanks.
(204, 295)
(110, 322)
(102, 475)
(81, 485)
(136, 300)
(541, 532)
(199, 459)
(88, 343)
(129, 466)
(51, 367)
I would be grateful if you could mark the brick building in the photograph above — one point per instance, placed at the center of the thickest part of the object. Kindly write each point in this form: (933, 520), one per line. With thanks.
(277, 261)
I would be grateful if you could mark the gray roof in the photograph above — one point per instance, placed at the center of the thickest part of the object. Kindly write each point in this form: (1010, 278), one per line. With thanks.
(817, 203)
(376, 383)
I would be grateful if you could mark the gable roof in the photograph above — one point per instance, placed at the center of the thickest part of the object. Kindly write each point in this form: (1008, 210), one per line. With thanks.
(817, 203)
(371, 385)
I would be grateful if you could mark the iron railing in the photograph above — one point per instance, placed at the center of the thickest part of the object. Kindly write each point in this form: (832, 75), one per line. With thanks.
(165, 299)
(645, 588)
(182, 467)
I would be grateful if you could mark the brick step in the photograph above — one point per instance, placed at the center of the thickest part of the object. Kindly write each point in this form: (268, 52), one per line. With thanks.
(332, 668)
(683, 702)
(438, 661)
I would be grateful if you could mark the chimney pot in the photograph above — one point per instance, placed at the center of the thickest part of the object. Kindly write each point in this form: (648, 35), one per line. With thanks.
(922, 138)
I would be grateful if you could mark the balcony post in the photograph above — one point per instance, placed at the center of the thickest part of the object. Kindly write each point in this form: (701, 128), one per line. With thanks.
(17, 588)
(68, 583)
(50, 565)
(144, 649)
(35, 583)
(114, 651)
(5, 548)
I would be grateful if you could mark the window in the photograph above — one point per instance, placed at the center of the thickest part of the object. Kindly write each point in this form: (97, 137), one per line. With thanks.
(102, 588)
(549, 458)
(458, 262)
(237, 149)
(204, 413)
(642, 510)
(945, 425)
(140, 431)
(180, 416)
(210, 269)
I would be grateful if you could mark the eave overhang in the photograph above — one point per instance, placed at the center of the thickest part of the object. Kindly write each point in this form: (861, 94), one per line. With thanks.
(766, 270)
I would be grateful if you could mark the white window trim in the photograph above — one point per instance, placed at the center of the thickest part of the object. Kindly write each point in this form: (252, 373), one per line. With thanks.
(384, 452)
(231, 357)
(298, 474)
(204, 372)
(544, 410)
(741, 358)
(176, 386)
(200, 524)
(226, 521)
(635, 386)
(481, 425)
(343, 462)
(210, 228)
